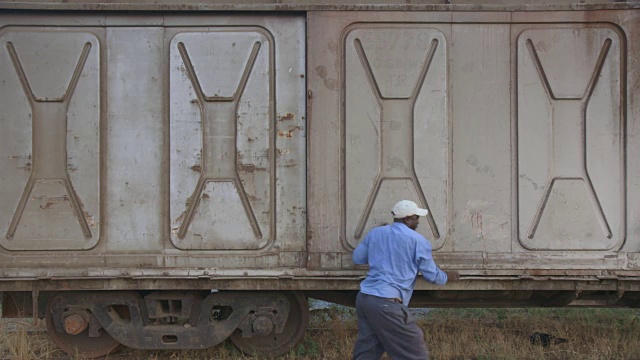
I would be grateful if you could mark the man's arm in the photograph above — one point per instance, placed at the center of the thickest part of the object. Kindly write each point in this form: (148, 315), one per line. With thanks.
(430, 271)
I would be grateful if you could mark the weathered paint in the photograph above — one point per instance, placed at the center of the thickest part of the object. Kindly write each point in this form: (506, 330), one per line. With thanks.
(251, 152)
(484, 136)
(319, 5)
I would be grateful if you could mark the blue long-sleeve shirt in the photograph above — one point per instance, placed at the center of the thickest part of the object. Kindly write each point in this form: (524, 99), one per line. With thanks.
(395, 254)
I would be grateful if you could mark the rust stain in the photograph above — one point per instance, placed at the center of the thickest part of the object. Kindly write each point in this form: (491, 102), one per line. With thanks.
(205, 196)
(181, 217)
(196, 168)
(28, 157)
(47, 205)
(331, 83)
(26, 166)
(288, 116)
(289, 133)
(309, 106)
(476, 220)
(542, 46)
(51, 198)
(321, 71)
(89, 219)
(250, 168)
(247, 167)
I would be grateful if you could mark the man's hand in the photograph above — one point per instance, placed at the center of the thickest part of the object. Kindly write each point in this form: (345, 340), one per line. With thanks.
(452, 276)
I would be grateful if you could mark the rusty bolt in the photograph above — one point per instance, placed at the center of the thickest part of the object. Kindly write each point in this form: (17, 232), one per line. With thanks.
(262, 326)
(74, 324)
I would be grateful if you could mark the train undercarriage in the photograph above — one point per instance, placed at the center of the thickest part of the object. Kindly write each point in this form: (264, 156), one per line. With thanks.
(93, 324)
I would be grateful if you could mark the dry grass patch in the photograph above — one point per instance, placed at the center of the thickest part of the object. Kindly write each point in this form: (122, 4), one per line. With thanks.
(23, 340)
(455, 334)
(504, 333)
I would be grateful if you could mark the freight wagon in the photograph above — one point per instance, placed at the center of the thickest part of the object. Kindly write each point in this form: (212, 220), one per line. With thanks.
(174, 173)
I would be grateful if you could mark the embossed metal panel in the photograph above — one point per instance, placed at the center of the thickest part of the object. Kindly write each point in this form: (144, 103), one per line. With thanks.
(395, 125)
(571, 180)
(172, 144)
(519, 145)
(108, 131)
(51, 112)
(222, 138)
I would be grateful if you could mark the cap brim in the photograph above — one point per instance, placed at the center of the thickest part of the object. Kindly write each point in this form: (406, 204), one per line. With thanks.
(422, 212)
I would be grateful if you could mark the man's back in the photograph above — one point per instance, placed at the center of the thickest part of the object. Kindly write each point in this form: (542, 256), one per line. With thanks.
(390, 252)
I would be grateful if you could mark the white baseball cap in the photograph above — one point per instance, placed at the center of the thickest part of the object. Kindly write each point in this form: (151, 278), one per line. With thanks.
(406, 208)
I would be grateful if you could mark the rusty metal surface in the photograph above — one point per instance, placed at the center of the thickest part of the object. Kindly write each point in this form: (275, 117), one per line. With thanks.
(502, 298)
(51, 147)
(492, 105)
(130, 75)
(571, 169)
(233, 168)
(205, 322)
(87, 344)
(380, 129)
(321, 5)
(518, 152)
(470, 283)
(269, 343)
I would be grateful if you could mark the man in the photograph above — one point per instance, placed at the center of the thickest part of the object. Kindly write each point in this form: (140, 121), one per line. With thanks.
(395, 253)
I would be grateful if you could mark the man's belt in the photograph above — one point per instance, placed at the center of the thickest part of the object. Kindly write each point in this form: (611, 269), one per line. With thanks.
(396, 300)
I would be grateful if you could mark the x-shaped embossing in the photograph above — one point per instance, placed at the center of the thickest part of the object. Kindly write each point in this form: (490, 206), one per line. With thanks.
(396, 142)
(49, 140)
(219, 133)
(568, 139)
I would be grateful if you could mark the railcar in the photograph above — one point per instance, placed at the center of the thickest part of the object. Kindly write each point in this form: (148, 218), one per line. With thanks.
(177, 172)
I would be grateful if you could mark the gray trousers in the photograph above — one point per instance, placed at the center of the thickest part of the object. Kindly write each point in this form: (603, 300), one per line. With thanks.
(385, 325)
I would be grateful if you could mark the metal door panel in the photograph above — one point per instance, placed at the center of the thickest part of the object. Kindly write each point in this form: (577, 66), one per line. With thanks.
(134, 115)
(222, 138)
(395, 125)
(499, 134)
(236, 134)
(570, 124)
(51, 101)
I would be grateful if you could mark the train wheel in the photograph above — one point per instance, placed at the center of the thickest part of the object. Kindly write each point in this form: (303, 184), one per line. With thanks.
(278, 344)
(80, 344)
